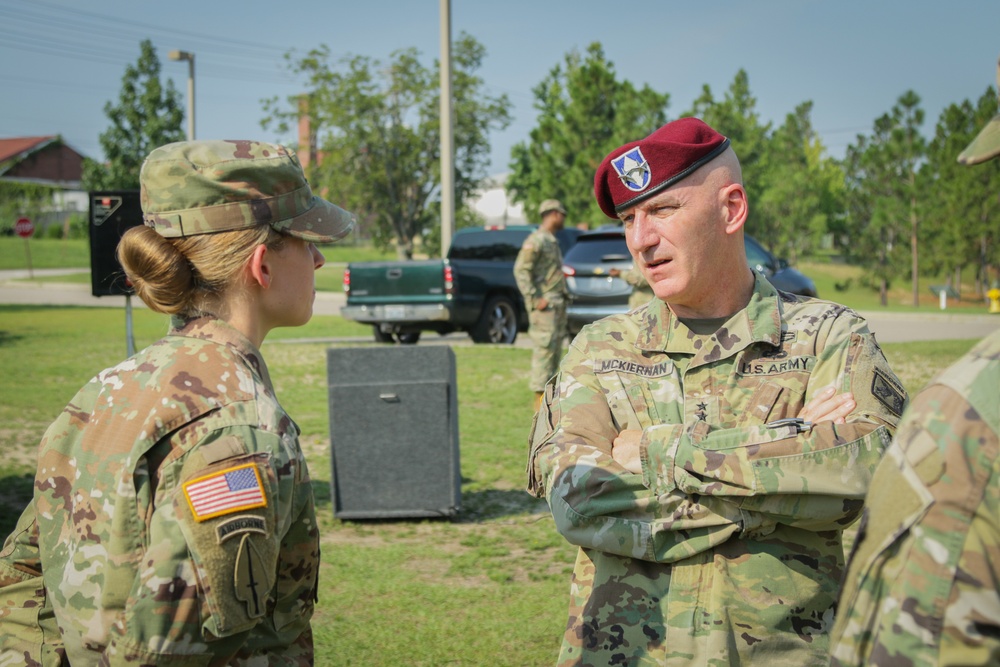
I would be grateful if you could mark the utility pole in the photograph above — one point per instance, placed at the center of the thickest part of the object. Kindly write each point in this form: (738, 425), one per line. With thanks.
(447, 135)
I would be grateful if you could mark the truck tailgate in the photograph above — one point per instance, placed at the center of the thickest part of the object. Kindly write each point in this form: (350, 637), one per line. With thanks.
(392, 282)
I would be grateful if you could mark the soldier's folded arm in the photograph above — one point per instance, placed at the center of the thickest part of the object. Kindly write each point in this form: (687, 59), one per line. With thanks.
(702, 486)
(598, 504)
(811, 476)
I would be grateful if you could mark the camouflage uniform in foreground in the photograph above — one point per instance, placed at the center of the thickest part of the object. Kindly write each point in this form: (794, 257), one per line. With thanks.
(922, 587)
(538, 272)
(726, 550)
(172, 521)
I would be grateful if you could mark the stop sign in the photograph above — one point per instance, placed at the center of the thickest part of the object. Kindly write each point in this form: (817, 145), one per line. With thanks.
(24, 228)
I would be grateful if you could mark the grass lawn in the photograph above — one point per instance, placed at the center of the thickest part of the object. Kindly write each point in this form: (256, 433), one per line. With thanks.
(489, 586)
(75, 253)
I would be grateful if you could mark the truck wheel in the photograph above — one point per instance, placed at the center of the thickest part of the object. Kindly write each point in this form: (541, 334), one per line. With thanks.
(497, 323)
(409, 338)
(382, 336)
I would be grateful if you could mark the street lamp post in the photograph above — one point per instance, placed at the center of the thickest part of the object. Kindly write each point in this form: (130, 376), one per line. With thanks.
(189, 57)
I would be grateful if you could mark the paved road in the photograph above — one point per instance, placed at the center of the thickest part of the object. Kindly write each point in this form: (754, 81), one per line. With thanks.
(16, 288)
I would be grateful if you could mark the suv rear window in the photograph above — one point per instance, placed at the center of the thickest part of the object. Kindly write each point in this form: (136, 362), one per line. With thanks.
(597, 249)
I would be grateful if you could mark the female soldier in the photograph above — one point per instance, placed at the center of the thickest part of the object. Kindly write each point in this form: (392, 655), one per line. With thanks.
(173, 517)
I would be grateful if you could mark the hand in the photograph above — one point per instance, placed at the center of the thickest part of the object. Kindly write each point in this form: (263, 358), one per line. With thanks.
(541, 303)
(625, 450)
(828, 406)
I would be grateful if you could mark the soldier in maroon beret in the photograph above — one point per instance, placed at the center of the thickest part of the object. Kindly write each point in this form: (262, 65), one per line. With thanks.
(706, 450)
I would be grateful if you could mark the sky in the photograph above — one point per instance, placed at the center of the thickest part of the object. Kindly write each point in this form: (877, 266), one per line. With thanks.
(61, 61)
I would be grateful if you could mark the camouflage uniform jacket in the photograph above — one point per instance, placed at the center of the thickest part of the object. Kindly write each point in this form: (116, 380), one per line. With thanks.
(923, 585)
(726, 550)
(172, 521)
(538, 269)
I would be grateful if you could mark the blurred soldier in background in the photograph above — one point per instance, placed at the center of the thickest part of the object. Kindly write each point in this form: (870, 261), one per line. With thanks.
(923, 584)
(539, 276)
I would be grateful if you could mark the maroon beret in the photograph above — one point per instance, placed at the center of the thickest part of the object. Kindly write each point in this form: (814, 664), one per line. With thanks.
(640, 169)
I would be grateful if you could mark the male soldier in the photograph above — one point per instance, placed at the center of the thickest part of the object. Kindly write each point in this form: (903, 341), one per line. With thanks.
(923, 585)
(539, 276)
(706, 450)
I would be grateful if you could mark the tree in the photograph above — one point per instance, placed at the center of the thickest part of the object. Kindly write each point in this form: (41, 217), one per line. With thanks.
(148, 114)
(882, 194)
(736, 117)
(583, 113)
(377, 128)
(801, 191)
(960, 203)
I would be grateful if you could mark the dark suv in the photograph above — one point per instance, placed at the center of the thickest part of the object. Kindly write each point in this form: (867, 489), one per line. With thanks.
(594, 294)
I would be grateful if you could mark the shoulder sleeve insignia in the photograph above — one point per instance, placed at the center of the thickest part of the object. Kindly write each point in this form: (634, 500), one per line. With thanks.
(224, 492)
(888, 392)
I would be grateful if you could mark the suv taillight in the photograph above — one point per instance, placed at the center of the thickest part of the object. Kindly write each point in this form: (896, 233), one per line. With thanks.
(568, 270)
(347, 281)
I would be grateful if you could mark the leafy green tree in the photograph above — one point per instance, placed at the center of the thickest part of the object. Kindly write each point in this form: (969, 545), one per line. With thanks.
(960, 203)
(882, 194)
(377, 128)
(735, 116)
(148, 114)
(584, 112)
(801, 190)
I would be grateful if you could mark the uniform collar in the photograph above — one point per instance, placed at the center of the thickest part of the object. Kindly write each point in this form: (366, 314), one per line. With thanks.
(758, 322)
(219, 331)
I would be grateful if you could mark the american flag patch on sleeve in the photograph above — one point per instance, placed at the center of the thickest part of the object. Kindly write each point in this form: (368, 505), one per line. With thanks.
(224, 492)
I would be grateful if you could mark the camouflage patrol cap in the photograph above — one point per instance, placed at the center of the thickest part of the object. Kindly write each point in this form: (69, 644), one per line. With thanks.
(202, 187)
(551, 205)
(640, 169)
(986, 145)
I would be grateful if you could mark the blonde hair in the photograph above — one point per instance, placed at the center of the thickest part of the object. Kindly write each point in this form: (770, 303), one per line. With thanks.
(186, 275)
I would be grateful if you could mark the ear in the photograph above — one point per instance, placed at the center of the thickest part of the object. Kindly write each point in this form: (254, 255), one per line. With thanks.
(735, 207)
(259, 266)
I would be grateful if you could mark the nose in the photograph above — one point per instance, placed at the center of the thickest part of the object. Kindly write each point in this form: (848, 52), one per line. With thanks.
(318, 258)
(642, 233)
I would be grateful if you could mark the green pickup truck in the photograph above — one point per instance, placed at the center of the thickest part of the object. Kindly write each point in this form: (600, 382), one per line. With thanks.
(473, 290)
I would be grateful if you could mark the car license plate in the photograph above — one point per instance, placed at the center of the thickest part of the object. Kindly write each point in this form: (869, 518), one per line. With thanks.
(395, 312)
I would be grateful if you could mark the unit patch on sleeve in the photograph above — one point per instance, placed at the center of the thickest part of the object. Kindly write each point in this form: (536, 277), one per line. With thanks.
(224, 492)
(888, 392)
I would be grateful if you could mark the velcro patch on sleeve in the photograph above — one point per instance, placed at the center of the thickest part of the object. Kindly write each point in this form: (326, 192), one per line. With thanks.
(226, 491)
(888, 392)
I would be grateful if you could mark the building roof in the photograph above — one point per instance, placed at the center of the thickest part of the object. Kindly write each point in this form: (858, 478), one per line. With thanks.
(21, 146)
(46, 160)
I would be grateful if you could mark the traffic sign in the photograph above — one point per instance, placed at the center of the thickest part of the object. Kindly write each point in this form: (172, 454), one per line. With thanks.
(24, 228)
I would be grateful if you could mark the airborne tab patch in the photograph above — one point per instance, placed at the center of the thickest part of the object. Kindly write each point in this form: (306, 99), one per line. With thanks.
(224, 492)
(240, 524)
